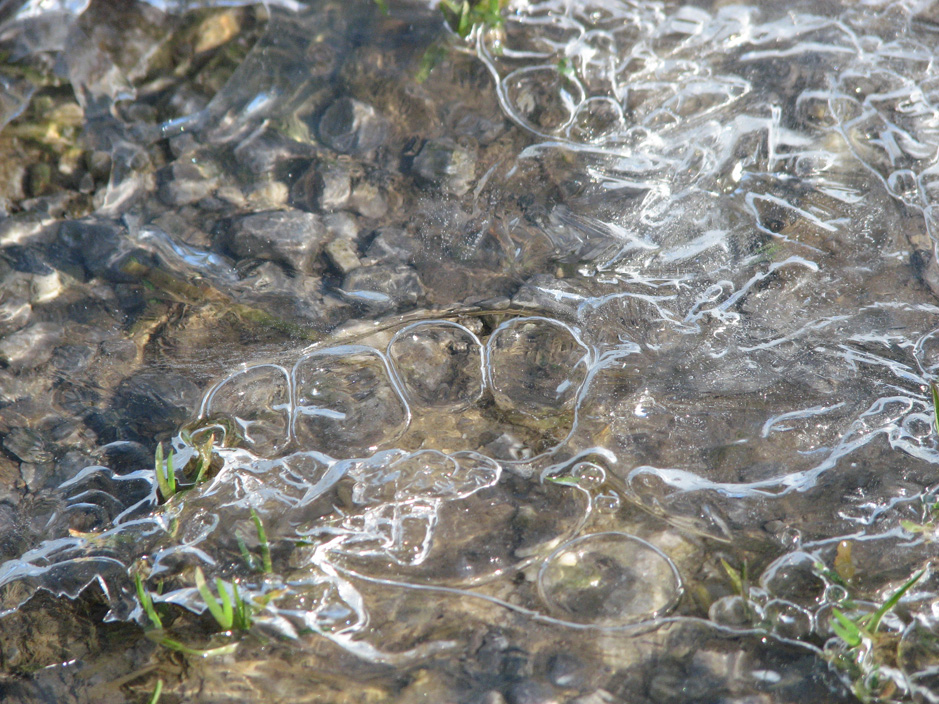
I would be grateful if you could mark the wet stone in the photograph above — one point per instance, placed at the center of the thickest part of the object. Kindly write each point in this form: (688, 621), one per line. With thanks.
(28, 445)
(101, 247)
(290, 237)
(445, 165)
(14, 312)
(155, 401)
(72, 358)
(124, 456)
(263, 154)
(185, 183)
(351, 127)
(332, 184)
(367, 200)
(383, 287)
(391, 245)
(342, 225)
(30, 347)
(342, 255)
(268, 195)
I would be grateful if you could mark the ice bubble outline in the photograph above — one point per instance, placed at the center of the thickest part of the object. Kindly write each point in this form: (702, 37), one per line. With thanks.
(394, 378)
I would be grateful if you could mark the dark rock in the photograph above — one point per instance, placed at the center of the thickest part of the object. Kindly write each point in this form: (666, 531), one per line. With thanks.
(26, 259)
(14, 313)
(155, 401)
(118, 351)
(342, 225)
(100, 247)
(351, 127)
(183, 144)
(99, 164)
(392, 245)
(124, 456)
(445, 165)
(290, 237)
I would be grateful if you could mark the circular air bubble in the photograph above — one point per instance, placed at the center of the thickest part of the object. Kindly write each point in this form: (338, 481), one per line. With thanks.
(536, 366)
(256, 402)
(596, 120)
(346, 404)
(917, 656)
(541, 97)
(609, 579)
(926, 353)
(439, 364)
(788, 620)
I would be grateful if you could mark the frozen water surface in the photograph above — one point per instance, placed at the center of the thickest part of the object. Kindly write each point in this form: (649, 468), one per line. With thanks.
(585, 359)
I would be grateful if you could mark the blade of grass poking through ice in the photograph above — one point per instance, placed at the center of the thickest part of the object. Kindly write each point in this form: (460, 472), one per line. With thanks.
(872, 623)
(845, 629)
(165, 474)
(242, 620)
(250, 560)
(146, 601)
(223, 613)
(205, 459)
(267, 566)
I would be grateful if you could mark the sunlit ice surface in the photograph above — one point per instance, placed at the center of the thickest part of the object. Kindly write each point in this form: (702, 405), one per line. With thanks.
(584, 358)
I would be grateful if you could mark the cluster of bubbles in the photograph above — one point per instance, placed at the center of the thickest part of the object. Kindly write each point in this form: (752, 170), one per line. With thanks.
(317, 451)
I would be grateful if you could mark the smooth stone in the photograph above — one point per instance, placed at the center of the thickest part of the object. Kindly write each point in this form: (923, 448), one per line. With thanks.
(290, 237)
(445, 165)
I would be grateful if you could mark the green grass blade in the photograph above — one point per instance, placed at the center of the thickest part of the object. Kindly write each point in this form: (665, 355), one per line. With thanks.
(242, 611)
(179, 647)
(146, 601)
(205, 459)
(736, 579)
(227, 608)
(165, 474)
(222, 616)
(157, 691)
(171, 472)
(250, 560)
(846, 629)
(267, 565)
(873, 622)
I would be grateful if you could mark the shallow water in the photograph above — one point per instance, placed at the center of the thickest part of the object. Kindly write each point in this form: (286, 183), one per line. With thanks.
(585, 359)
